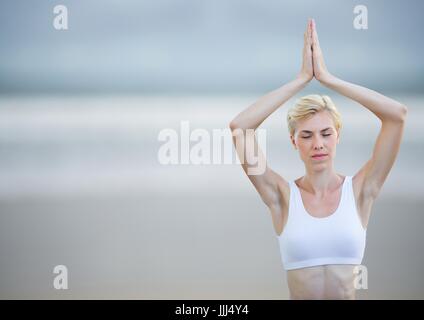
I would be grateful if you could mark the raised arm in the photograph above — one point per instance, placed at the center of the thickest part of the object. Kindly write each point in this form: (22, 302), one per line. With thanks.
(268, 183)
(391, 113)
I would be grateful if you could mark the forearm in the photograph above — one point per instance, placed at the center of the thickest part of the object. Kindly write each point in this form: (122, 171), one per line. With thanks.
(254, 115)
(383, 107)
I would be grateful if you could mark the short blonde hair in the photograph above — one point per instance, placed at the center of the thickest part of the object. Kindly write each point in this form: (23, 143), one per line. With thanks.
(309, 105)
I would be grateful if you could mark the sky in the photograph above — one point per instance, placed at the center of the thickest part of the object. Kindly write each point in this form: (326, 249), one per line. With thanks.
(197, 46)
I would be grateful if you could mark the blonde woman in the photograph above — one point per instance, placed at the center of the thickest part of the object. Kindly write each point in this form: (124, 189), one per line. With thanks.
(321, 218)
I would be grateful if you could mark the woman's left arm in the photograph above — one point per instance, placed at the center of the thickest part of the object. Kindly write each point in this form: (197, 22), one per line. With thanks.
(385, 108)
(391, 113)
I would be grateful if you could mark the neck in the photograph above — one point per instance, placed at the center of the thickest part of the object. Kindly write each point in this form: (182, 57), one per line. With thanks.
(321, 182)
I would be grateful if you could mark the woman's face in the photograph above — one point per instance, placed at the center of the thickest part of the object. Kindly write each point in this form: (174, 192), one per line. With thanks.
(316, 135)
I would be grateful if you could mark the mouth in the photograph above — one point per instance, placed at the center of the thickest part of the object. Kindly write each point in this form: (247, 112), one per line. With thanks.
(319, 156)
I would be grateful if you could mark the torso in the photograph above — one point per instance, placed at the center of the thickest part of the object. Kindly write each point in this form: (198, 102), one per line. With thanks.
(322, 282)
(328, 281)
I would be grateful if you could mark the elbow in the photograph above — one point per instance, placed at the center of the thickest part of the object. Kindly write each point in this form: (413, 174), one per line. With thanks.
(235, 128)
(233, 125)
(403, 112)
(236, 125)
(398, 114)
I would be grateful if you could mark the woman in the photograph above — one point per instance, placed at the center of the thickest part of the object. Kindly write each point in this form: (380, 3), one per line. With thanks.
(321, 218)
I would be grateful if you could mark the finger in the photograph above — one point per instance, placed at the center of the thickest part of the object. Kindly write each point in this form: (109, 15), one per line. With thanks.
(309, 30)
(306, 33)
(307, 48)
(310, 26)
(309, 33)
(315, 39)
(309, 53)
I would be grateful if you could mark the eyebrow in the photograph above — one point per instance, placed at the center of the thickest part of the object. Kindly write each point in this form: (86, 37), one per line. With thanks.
(307, 131)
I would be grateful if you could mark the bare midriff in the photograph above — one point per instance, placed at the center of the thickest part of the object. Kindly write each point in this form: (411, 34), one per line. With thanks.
(322, 282)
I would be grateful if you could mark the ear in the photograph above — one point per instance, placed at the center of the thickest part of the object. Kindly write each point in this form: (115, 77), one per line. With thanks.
(293, 142)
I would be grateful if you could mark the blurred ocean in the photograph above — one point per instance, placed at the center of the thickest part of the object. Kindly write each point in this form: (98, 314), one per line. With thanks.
(81, 185)
(70, 145)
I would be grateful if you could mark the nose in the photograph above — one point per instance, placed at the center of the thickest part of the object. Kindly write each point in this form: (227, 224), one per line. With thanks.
(317, 144)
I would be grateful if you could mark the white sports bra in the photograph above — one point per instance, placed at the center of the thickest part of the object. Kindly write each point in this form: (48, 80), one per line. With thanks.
(308, 241)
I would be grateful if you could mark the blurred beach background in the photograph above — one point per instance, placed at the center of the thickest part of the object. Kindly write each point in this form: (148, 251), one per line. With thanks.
(80, 115)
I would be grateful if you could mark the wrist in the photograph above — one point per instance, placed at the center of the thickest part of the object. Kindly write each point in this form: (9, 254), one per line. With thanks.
(327, 79)
(303, 79)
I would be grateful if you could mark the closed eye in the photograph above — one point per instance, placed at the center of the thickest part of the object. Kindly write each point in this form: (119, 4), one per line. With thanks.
(325, 135)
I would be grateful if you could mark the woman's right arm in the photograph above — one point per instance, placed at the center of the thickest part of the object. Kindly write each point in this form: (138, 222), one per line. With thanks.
(268, 183)
(254, 115)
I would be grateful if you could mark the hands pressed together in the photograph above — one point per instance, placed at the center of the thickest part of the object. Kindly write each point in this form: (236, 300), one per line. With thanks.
(313, 61)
